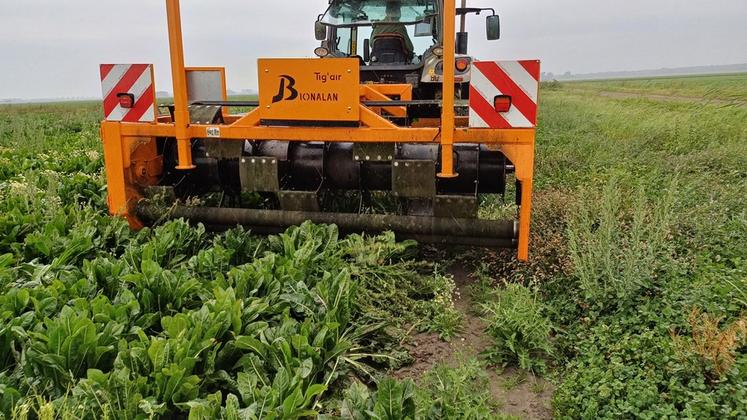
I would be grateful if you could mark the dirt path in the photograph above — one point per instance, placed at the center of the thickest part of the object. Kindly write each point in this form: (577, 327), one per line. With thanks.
(522, 395)
(660, 97)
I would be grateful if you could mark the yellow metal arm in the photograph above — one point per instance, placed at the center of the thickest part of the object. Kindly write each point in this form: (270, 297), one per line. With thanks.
(447, 113)
(179, 76)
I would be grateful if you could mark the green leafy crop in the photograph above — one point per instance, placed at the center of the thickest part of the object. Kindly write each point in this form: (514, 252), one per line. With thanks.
(174, 321)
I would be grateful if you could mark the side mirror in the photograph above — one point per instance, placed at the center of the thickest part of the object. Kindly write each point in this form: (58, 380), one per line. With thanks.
(320, 31)
(494, 27)
(462, 39)
(367, 50)
(424, 28)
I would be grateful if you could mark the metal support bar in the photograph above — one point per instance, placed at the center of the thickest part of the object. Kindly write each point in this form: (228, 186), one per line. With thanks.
(416, 102)
(463, 17)
(179, 76)
(447, 111)
(247, 129)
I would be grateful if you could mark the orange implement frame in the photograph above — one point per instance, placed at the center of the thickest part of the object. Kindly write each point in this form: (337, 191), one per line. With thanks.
(376, 92)
(131, 158)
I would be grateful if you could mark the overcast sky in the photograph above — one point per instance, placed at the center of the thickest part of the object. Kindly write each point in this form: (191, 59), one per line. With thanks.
(52, 48)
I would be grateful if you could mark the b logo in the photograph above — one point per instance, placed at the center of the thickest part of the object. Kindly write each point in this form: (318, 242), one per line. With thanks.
(292, 92)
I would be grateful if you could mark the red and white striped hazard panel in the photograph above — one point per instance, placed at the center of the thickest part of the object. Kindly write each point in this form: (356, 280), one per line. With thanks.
(129, 93)
(503, 94)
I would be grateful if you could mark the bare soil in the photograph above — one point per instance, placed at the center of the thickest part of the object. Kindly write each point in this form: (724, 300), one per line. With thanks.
(529, 399)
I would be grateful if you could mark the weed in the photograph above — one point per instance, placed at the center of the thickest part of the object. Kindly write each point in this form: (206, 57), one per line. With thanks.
(740, 289)
(462, 392)
(714, 345)
(511, 382)
(483, 285)
(447, 323)
(519, 329)
(538, 386)
(617, 357)
(443, 393)
(619, 242)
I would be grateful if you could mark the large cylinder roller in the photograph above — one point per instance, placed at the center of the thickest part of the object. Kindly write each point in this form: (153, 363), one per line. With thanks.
(477, 232)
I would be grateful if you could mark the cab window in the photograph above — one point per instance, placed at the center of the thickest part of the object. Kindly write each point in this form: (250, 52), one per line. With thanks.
(343, 42)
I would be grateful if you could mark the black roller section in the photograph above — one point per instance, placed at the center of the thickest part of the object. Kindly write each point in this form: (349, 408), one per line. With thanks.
(210, 175)
(303, 165)
(309, 166)
(478, 232)
(344, 173)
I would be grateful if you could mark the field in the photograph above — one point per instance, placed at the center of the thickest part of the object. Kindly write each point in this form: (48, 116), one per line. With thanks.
(634, 303)
(704, 89)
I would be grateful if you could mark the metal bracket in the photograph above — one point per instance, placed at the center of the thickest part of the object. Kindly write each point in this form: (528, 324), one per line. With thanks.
(419, 207)
(373, 152)
(146, 170)
(299, 201)
(414, 178)
(223, 149)
(205, 114)
(259, 174)
(456, 206)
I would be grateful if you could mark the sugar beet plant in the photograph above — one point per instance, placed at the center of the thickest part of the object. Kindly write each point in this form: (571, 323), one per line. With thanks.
(141, 334)
(97, 321)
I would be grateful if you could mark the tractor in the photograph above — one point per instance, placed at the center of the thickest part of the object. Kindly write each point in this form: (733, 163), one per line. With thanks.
(392, 126)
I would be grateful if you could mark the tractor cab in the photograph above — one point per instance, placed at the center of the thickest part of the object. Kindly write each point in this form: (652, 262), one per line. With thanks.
(394, 40)
(381, 32)
(397, 41)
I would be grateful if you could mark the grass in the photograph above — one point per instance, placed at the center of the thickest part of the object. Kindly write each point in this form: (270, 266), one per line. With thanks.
(639, 264)
(722, 87)
(654, 224)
